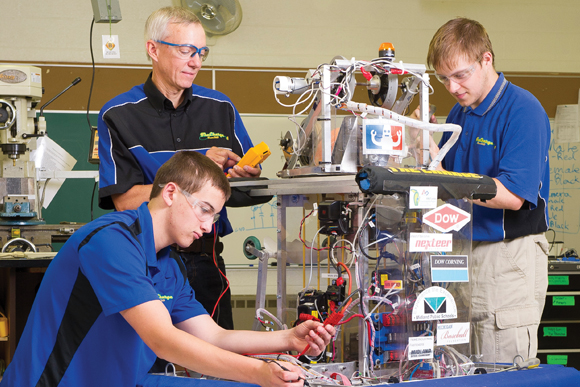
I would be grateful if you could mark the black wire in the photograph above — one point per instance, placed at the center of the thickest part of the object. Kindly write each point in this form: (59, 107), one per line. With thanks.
(554, 231)
(283, 368)
(89, 104)
(360, 235)
(357, 291)
(553, 239)
(93, 199)
(222, 279)
(93, 77)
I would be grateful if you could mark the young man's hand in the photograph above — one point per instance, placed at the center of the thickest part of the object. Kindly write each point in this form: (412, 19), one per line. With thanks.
(314, 334)
(281, 374)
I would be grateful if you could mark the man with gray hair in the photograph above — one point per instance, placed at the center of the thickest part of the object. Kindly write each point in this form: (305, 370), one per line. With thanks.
(140, 129)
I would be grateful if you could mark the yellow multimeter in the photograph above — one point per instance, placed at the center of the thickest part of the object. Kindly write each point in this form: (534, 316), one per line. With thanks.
(255, 156)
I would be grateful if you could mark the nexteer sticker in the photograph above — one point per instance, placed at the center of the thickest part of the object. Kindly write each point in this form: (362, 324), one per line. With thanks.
(447, 218)
(422, 242)
(434, 303)
(449, 334)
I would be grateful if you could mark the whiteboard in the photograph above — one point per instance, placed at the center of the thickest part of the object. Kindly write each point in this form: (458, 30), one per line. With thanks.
(259, 221)
(564, 202)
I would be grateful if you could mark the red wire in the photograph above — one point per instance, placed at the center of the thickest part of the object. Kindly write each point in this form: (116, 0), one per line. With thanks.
(349, 282)
(340, 323)
(303, 352)
(222, 274)
(350, 318)
(347, 304)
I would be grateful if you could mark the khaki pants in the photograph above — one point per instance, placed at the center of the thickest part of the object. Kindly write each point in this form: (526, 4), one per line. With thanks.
(509, 283)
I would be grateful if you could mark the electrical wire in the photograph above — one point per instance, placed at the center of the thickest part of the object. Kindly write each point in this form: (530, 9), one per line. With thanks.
(89, 103)
(260, 311)
(312, 259)
(93, 198)
(93, 75)
(223, 276)
(339, 88)
(333, 260)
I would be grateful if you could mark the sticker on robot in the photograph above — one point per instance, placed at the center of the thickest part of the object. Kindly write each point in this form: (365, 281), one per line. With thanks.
(111, 47)
(455, 333)
(421, 347)
(390, 284)
(447, 218)
(424, 242)
(423, 197)
(329, 275)
(449, 268)
(434, 303)
(383, 137)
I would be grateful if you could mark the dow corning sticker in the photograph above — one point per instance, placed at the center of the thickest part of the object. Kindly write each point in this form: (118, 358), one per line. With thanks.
(434, 303)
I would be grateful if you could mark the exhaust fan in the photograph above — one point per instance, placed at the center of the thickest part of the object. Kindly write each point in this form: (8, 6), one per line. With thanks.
(218, 17)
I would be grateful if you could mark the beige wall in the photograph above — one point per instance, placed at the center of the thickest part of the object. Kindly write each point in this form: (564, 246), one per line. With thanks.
(537, 39)
(528, 35)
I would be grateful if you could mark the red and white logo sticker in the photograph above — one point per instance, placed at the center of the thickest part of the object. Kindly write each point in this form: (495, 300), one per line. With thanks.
(447, 218)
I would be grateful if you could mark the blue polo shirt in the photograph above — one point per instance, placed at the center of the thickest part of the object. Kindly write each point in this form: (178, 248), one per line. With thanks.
(75, 335)
(506, 137)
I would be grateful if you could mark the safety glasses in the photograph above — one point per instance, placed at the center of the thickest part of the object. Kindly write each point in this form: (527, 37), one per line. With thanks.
(187, 51)
(459, 77)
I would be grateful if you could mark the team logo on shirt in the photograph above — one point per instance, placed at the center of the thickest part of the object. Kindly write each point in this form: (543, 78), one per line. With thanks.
(212, 136)
(483, 141)
(164, 298)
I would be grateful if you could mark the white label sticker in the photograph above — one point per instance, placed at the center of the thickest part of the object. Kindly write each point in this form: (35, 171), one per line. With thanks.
(111, 47)
(35, 78)
(329, 275)
(434, 303)
(421, 348)
(423, 197)
(423, 242)
(455, 333)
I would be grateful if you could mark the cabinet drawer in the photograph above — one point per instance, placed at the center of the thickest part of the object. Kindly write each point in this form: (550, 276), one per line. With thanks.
(563, 282)
(562, 306)
(564, 335)
(569, 359)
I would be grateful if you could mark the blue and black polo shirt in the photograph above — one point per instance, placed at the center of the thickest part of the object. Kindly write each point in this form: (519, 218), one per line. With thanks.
(139, 130)
(75, 335)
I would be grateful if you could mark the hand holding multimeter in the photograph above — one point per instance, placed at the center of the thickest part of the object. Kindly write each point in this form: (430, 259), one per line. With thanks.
(254, 156)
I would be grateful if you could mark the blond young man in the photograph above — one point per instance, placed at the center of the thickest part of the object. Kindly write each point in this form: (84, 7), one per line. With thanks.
(506, 135)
